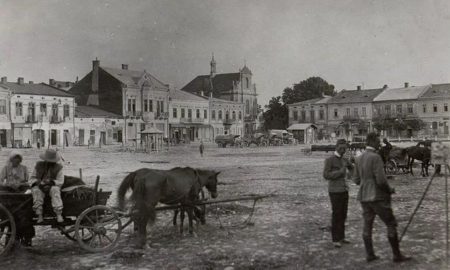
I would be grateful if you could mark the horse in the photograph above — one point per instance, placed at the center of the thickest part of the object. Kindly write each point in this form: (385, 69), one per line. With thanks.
(199, 214)
(172, 187)
(420, 153)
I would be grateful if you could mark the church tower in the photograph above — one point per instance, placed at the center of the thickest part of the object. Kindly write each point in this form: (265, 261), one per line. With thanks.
(213, 66)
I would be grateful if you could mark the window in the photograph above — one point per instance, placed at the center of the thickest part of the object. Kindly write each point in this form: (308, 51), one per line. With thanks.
(213, 114)
(182, 113)
(247, 106)
(220, 115)
(142, 126)
(55, 110)
(2, 106)
(18, 108)
(387, 109)
(234, 115)
(434, 125)
(347, 111)
(409, 108)
(205, 114)
(129, 105)
(158, 109)
(435, 109)
(43, 109)
(355, 112)
(174, 113)
(364, 113)
(295, 115)
(321, 114)
(161, 106)
(197, 113)
(145, 105)
(424, 106)
(336, 115)
(303, 115)
(31, 112)
(445, 107)
(150, 104)
(399, 108)
(240, 115)
(66, 110)
(227, 115)
(92, 137)
(189, 113)
(247, 82)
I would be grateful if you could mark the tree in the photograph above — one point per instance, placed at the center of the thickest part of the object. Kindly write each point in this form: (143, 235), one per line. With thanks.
(313, 87)
(276, 114)
(415, 124)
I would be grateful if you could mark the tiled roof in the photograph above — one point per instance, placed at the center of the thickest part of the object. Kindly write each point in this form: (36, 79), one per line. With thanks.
(226, 101)
(40, 89)
(220, 83)
(183, 95)
(324, 100)
(305, 102)
(132, 77)
(391, 94)
(437, 91)
(355, 96)
(93, 112)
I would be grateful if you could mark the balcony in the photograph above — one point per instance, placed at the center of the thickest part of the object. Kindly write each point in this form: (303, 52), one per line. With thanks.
(192, 120)
(31, 119)
(229, 121)
(55, 119)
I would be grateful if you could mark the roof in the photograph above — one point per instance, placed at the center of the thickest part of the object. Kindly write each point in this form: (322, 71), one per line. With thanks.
(303, 126)
(355, 96)
(225, 101)
(151, 130)
(183, 95)
(246, 70)
(93, 112)
(391, 94)
(220, 83)
(324, 100)
(437, 91)
(306, 102)
(40, 89)
(132, 77)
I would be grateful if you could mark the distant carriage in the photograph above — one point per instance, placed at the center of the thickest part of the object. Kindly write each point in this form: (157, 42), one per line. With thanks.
(224, 140)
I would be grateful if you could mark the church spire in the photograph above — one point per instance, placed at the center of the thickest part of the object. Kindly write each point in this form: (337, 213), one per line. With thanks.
(213, 66)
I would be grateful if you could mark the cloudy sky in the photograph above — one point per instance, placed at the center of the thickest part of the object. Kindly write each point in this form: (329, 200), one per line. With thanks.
(347, 42)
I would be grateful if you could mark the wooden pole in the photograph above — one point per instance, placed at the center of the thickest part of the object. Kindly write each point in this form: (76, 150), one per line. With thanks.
(81, 174)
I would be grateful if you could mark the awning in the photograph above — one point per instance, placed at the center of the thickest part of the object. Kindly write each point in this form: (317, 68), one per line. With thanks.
(303, 126)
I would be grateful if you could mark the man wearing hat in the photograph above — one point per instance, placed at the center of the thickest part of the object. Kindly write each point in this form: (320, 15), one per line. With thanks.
(47, 178)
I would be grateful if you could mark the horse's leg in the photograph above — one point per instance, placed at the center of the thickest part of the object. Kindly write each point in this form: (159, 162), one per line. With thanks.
(410, 165)
(175, 215)
(182, 212)
(190, 213)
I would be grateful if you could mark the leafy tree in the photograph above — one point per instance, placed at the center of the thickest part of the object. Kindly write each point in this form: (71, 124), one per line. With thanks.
(276, 114)
(415, 124)
(313, 87)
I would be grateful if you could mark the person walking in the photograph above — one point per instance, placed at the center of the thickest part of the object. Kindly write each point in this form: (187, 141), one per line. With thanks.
(201, 148)
(375, 197)
(335, 171)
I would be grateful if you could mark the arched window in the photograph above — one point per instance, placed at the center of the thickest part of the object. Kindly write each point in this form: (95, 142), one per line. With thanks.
(234, 115)
(220, 115)
(240, 115)
(227, 115)
(247, 106)
(247, 82)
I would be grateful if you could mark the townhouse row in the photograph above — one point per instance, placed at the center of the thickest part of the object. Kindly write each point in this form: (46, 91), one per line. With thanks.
(353, 113)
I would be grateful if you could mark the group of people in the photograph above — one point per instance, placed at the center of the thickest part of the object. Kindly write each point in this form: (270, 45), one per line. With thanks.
(367, 171)
(45, 180)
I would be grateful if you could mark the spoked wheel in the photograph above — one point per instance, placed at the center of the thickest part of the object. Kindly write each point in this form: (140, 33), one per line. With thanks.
(85, 234)
(103, 224)
(7, 230)
(391, 167)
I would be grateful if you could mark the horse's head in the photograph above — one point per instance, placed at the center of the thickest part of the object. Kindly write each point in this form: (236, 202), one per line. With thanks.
(209, 180)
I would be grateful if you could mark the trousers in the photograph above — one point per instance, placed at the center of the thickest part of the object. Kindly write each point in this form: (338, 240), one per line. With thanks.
(339, 205)
(55, 196)
(382, 209)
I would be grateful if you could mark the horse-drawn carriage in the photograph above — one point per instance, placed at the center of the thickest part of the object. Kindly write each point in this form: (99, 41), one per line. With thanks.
(258, 139)
(397, 160)
(224, 140)
(87, 220)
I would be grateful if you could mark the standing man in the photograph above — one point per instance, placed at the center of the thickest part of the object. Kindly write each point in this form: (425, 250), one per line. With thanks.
(201, 148)
(375, 197)
(335, 171)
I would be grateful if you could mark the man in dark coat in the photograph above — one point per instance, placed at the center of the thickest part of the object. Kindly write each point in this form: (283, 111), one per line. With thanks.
(375, 197)
(335, 171)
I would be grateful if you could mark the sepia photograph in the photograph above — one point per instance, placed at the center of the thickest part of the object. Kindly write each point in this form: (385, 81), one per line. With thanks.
(224, 135)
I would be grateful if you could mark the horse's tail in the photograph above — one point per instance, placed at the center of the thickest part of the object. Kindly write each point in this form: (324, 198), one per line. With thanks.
(126, 184)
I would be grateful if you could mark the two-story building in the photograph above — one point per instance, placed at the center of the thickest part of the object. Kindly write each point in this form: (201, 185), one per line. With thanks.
(433, 109)
(40, 114)
(399, 103)
(234, 87)
(350, 112)
(227, 117)
(136, 95)
(189, 117)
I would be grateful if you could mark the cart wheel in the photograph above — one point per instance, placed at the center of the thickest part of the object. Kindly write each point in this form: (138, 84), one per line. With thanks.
(7, 230)
(86, 234)
(391, 167)
(103, 223)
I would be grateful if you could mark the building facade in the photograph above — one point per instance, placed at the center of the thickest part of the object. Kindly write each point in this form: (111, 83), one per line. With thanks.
(189, 117)
(41, 115)
(433, 108)
(313, 111)
(227, 117)
(139, 97)
(235, 87)
(5, 114)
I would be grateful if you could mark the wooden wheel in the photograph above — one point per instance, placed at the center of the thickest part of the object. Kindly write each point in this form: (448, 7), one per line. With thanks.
(103, 224)
(85, 234)
(391, 167)
(7, 230)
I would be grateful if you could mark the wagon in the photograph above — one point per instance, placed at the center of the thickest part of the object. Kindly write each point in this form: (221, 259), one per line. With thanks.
(398, 160)
(87, 220)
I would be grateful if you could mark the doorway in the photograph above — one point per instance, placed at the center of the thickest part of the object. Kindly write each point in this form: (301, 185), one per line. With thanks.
(3, 137)
(103, 137)
(119, 135)
(81, 137)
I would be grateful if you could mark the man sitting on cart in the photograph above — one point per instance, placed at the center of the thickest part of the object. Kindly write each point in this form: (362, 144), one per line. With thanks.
(14, 179)
(47, 178)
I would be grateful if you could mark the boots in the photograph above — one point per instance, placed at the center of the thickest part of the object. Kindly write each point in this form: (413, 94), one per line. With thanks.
(369, 249)
(398, 256)
(40, 216)
(59, 217)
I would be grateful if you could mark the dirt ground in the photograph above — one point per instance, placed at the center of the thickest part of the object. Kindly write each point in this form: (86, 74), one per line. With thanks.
(289, 231)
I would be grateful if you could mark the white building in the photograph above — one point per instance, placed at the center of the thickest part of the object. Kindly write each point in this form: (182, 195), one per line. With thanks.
(226, 117)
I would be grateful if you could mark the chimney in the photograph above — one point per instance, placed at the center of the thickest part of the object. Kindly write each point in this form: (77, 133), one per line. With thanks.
(93, 97)
(124, 66)
(20, 80)
(406, 84)
(4, 79)
(358, 87)
(30, 82)
(385, 86)
(51, 82)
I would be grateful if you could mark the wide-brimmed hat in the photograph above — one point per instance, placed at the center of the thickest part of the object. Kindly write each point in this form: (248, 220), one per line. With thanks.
(50, 155)
(14, 154)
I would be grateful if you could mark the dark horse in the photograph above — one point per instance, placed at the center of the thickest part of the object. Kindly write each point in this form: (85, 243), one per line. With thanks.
(420, 153)
(175, 186)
